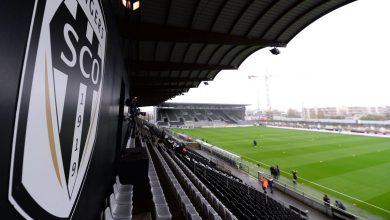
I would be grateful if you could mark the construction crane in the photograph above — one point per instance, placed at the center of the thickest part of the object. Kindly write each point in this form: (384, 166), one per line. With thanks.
(269, 109)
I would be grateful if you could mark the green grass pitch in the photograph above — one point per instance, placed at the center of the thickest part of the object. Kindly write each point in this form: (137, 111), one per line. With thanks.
(357, 166)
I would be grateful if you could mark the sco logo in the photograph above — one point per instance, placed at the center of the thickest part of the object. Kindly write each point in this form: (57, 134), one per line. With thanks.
(58, 107)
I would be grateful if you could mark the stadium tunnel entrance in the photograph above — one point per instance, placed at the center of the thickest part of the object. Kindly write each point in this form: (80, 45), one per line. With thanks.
(70, 67)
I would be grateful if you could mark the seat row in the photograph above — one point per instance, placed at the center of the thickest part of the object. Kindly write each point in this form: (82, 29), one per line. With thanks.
(215, 202)
(161, 209)
(185, 203)
(206, 208)
(245, 202)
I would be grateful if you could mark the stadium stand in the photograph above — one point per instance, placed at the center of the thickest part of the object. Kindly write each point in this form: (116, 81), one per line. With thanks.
(199, 115)
(201, 189)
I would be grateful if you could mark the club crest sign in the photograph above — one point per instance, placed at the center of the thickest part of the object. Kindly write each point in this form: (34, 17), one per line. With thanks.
(58, 107)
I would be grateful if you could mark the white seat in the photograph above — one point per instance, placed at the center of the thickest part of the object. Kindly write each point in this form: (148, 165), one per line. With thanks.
(123, 187)
(107, 214)
(120, 211)
(124, 198)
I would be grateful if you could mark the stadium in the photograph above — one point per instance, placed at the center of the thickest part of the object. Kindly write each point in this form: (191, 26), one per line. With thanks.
(77, 143)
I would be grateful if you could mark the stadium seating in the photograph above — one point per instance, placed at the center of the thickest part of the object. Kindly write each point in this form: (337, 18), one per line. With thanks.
(186, 185)
(120, 202)
(203, 115)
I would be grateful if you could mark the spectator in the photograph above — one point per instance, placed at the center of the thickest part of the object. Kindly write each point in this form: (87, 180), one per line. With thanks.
(272, 171)
(271, 184)
(326, 200)
(277, 172)
(295, 176)
(264, 184)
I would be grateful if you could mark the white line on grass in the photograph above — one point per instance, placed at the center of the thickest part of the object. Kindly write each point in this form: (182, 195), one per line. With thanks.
(361, 201)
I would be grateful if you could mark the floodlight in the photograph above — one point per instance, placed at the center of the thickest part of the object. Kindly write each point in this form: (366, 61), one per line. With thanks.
(136, 5)
(126, 3)
(132, 5)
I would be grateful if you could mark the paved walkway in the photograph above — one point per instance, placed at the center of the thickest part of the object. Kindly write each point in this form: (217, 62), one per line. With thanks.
(277, 195)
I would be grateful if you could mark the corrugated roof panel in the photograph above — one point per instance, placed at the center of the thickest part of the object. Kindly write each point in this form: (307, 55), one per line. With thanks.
(154, 11)
(212, 74)
(147, 52)
(164, 74)
(311, 16)
(276, 11)
(181, 83)
(178, 52)
(194, 83)
(250, 15)
(204, 56)
(162, 51)
(194, 74)
(204, 73)
(219, 53)
(231, 55)
(243, 55)
(184, 74)
(228, 15)
(175, 73)
(180, 13)
(192, 53)
(205, 14)
(292, 15)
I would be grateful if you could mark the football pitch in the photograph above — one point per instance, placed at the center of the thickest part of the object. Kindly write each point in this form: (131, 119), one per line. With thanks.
(352, 168)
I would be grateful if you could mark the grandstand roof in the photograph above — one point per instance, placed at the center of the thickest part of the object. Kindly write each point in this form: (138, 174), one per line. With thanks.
(171, 46)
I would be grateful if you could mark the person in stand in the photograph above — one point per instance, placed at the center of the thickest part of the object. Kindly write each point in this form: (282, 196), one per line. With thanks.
(326, 200)
(277, 172)
(264, 184)
(271, 184)
(295, 176)
(272, 171)
(254, 143)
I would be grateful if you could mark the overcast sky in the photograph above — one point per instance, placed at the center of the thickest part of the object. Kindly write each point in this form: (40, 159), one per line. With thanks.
(342, 59)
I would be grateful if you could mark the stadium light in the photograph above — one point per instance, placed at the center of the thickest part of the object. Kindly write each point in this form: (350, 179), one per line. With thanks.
(136, 5)
(275, 51)
(126, 3)
(131, 5)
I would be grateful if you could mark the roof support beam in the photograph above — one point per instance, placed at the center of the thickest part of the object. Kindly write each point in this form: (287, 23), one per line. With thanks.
(154, 32)
(168, 66)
